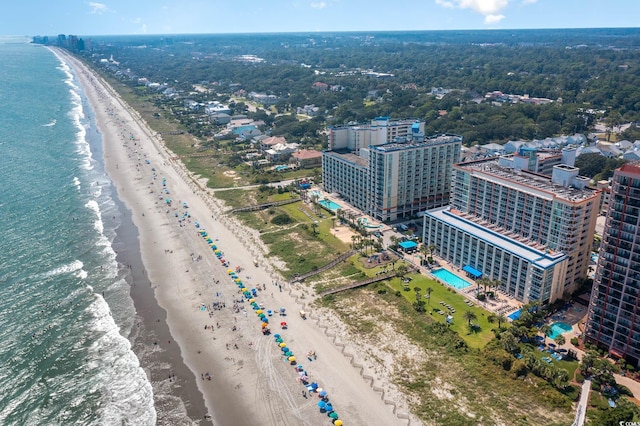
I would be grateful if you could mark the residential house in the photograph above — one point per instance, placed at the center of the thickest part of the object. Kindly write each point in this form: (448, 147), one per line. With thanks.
(307, 158)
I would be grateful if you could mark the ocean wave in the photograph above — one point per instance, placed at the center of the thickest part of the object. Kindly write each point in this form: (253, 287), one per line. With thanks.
(98, 225)
(74, 266)
(51, 123)
(127, 393)
(76, 182)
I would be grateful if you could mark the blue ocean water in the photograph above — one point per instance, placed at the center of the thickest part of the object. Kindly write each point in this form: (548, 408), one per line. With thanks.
(64, 356)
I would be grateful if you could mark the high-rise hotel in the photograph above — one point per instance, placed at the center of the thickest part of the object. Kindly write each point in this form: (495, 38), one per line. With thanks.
(614, 312)
(530, 231)
(389, 169)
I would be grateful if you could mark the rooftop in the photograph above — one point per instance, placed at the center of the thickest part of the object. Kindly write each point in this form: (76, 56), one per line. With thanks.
(529, 179)
(432, 140)
(348, 156)
(541, 258)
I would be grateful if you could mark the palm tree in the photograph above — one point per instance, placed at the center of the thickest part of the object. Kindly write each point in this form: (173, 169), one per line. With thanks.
(428, 295)
(561, 378)
(432, 249)
(417, 290)
(424, 251)
(501, 318)
(469, 316)
(546, 328)
(496, 285)
(560, 340)
(354, 238)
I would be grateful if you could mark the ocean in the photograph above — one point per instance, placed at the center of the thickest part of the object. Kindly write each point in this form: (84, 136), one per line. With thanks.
(66, 314)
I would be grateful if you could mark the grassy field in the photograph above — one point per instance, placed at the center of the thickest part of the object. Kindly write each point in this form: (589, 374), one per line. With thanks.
(451, 383)
(443, 293)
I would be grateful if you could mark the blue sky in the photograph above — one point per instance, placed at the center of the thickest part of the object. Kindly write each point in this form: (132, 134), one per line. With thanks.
(109, 17)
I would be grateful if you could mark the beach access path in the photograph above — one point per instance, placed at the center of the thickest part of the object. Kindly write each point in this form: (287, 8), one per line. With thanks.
(250, 382)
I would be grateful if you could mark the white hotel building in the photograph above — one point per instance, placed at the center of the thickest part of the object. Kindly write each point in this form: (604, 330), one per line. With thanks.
(394, 180)
(530, 231)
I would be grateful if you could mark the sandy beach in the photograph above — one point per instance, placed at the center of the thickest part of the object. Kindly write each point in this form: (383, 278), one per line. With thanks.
(241, 374)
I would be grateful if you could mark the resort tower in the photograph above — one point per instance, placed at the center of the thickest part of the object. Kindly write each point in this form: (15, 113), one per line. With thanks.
(614, 311)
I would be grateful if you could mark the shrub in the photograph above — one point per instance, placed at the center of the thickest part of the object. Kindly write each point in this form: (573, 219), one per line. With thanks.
(281, 219)
(579, 377)
(574, 341)
(397, 293)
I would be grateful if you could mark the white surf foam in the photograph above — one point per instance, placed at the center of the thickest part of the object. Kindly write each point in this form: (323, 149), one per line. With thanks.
(129, 396)
(74, 266)
(51, 123)
(76, 182)
(98, 225)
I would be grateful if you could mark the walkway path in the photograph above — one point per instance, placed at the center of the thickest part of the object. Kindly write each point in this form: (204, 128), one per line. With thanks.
(581, 412)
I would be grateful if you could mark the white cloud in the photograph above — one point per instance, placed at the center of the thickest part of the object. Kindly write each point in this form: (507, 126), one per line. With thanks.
(485, 7)
(529, 1)
(490, 9)
(98, 8)
(445, 3)
(319, 5)
(493, 19)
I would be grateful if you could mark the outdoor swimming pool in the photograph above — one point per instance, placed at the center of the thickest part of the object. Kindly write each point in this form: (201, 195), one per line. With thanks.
(330, 205)
(558, 328)
(514, 315)
(451, 279)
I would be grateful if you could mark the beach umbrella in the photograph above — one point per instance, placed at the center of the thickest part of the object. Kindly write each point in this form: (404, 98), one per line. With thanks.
(264, 319)
(252, 300)
(300, 368)
(319, 390)
(333, 415)
(338, 423)
(279, 340)
(276, 336)
(259, 311)
(292, 358)
(314, 386)
(323, 393)
(329, 407)
(284, 349)
(321, 404)
(288, 353)
(229, 271)
(264, 325)
(244, 289)
(282, 344)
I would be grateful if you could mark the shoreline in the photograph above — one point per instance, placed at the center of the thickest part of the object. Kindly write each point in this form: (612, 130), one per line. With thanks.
(250, 382)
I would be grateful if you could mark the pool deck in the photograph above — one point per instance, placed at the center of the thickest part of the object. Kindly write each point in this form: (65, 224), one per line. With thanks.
(350, 211)
(502, 305)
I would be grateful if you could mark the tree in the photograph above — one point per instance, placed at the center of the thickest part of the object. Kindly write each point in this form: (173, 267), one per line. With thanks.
(501, 318)
(509, 342)
(424, 251)
(428, 295)
(417, 290)
(560, 340)
(545, 329)
(469, 316)
(561, 378)
(402, 270)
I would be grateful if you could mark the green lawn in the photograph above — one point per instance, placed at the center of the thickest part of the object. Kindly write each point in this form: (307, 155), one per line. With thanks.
(441, 292)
